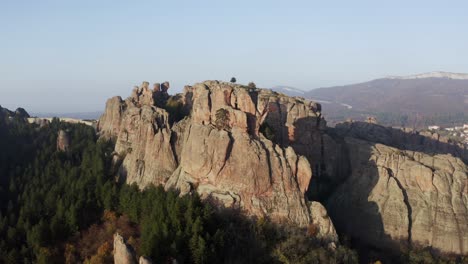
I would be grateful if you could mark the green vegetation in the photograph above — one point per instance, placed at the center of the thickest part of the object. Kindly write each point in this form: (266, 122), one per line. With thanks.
(46, 195)
(63, 207)
(172, 226)
(267, 131)
(175, 108)
(222, 119)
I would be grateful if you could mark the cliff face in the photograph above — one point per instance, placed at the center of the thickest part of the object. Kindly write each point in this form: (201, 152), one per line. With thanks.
(396, 196)
(235, 165)
(263, 152)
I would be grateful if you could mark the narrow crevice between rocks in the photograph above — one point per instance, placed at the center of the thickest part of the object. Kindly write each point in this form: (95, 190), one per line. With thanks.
(209, 101)
(407, 203)
(228, 151)
(319, 118)
(268, 160)
(172, 142)
(254, 97)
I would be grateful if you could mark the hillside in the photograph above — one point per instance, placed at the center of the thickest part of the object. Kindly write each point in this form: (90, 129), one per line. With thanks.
(419, 100)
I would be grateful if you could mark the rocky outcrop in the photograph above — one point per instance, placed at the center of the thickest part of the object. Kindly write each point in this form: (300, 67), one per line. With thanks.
(145, 260)
(123, 254)
(63, 141)
(394, 196)
(264, 153)
(19, 113)
(237, 166)
(142, 135)
(326, 230)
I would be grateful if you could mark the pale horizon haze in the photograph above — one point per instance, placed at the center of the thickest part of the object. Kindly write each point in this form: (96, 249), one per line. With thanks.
(71, 56)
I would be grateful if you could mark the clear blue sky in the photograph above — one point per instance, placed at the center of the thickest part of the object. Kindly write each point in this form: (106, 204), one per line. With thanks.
(70, 56)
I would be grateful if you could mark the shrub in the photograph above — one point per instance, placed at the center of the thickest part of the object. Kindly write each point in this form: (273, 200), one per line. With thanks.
(222, 119)
(267, 131)
(175, 108)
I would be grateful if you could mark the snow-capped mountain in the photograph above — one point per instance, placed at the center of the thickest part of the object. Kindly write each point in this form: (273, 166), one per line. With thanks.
(428, 97)
(436, 74)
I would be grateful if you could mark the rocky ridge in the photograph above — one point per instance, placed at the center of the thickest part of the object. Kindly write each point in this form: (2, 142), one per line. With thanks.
(410, 191)
(237, 166)
(266, 154)
(18, 113)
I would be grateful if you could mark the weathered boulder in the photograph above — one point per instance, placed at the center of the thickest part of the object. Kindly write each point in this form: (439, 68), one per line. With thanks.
(395, 197)
(123, 254)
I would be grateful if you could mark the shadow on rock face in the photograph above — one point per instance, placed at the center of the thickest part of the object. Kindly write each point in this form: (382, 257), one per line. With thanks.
(356, 217)
(390, 197)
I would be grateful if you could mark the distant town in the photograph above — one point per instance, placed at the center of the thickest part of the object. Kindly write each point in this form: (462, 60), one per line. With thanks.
(457, 133)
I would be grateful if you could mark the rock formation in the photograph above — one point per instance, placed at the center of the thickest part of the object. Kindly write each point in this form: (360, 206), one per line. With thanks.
(145, 260)
(63, 141)
(326, 229)
(395, 195)
(123, 254)
(236, 167)
(19, 113)
(266, 153)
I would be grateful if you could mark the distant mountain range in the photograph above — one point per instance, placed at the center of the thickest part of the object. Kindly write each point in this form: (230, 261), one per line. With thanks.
(288, 90)
(415, 100)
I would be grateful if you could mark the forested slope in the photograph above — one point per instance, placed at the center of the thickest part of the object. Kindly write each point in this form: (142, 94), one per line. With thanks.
(55, 206)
